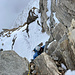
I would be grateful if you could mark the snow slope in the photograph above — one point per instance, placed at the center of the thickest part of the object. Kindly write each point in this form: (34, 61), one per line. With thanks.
(10, 10)
(24, 44)
(69, 72)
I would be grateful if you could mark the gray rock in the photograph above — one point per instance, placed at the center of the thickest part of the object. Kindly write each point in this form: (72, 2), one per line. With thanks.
(65, 11)
(71, 38)
(52, 47)
(63, 52)
(12, 64)
(45, 65)
(59, 31)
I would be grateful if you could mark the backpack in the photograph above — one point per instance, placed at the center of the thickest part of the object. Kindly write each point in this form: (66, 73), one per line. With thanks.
(41, 50)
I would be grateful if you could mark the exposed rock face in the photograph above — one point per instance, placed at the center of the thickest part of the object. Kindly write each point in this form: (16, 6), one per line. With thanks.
(12, 64)
(45, 65)
(65, 10)
(59, 31)
(65, 52)
(65, 49)
(71, 36)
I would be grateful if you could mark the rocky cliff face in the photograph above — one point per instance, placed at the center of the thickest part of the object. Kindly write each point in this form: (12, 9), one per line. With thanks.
(62, 39)
(12, 64)
(63, 33)
(65, 10)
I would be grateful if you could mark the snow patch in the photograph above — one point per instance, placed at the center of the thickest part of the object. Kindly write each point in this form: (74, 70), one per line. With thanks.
(56, 2)
(49, 8)
(63, 66)
(69, 72)
(56, 20)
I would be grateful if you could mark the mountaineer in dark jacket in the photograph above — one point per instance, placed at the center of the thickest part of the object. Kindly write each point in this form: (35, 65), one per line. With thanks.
(38, 50)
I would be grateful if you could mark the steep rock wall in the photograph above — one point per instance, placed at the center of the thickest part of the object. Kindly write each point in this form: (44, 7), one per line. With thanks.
(65, 10)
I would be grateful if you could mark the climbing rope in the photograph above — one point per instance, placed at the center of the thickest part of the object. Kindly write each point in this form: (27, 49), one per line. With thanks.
(29, 70)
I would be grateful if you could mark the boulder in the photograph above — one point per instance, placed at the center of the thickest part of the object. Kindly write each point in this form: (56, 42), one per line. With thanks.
(65, 52)
(45, 65)
(12, 64)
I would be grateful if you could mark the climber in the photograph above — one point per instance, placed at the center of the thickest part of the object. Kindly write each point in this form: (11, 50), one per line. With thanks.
(38, 50)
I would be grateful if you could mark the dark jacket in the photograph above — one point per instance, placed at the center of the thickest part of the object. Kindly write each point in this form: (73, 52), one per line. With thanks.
(38, 52)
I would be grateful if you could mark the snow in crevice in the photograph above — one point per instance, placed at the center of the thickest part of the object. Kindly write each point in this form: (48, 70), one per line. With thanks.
(50, 43)
(56, 20)
(49, 8)
(63, 66)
